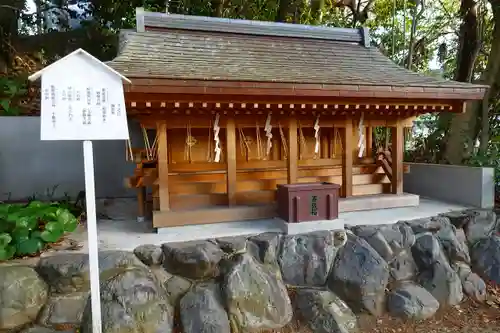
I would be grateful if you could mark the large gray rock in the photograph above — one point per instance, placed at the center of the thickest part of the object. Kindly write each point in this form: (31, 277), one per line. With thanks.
(132, 301)
(325, 312)
(410, 301)
(388, 240)
(482, 225)
(423, 225)
(255, 296)
(232, 245)
(402, 266)
(373, 236)
(175, 286)
(65, 310)
(70, 272)
(454, 247)
(462, 238)
(22, 295)
(443, 283)
(393, 242)
(306, 259)
(360, 276)
(202, 311)
(459, 218)
(427, 251)
(194, 260)
(486, 258)
(149, 254)
(472, 284)
(436, 274)
(399, 235)
(265, 247)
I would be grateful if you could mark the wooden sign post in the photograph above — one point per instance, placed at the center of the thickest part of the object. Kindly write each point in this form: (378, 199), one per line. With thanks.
(82, 99)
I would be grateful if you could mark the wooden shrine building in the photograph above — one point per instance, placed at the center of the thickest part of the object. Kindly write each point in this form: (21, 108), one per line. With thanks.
(232, 108)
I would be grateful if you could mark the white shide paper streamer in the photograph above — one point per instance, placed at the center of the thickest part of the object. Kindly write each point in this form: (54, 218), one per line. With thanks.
(316, 135)
(268, 128)
(216, 139)
(361, 134)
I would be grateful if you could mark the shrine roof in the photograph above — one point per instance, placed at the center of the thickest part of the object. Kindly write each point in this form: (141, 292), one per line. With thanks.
(179, 47)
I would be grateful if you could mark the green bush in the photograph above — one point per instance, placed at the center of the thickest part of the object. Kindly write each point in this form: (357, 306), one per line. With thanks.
(26, 229)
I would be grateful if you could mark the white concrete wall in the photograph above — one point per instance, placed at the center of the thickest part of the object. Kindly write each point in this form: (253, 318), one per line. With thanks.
(29, 166)
(470, 186)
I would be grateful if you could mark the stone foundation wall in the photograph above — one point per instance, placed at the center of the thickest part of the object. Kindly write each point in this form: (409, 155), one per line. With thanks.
(409, 269)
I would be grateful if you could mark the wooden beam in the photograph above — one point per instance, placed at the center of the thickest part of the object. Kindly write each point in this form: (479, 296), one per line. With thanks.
(369, 141)
(397, 151)
(248, 121)
(163, 166)
(231, 161)
(293, 152)
(347, 159)
(212, 215)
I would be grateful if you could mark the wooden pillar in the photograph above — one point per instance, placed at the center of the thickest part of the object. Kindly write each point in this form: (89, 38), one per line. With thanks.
(369, 141)
(293, 151)
(141, 201)
(324, 149)
(163, 193)
(347, 160)
(231, 161)
(397, 151)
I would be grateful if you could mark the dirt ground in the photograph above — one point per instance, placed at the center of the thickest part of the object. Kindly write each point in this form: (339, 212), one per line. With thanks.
(468, 317)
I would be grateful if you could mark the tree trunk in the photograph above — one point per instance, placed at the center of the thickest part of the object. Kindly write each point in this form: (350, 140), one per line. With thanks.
(485, 123)
(490, 78)
(217, 8)
(282, 12)
(414, 23)
(359, 15)
(317, 8)
(461, 127)
(9, 15)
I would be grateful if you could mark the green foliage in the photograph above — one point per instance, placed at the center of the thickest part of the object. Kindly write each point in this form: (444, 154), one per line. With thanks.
(490, 159)
(26, 229)
(10, 90)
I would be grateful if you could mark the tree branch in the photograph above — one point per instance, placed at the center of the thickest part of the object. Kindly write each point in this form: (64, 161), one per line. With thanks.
(12, 7)
(450, 16)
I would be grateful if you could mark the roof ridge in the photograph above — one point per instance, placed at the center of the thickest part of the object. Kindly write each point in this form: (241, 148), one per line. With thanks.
(162, 21)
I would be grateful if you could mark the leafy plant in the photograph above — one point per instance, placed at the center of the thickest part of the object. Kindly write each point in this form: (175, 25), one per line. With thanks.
(10, 89)
(26, 229)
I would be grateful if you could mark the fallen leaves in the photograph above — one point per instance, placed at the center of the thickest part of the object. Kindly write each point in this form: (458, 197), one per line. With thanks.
(493, 298)
(468, 317)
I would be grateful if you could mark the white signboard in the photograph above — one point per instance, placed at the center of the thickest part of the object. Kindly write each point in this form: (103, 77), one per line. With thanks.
(82, 99)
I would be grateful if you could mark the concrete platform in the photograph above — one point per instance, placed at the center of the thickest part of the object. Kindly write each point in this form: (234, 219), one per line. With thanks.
(123, 232)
